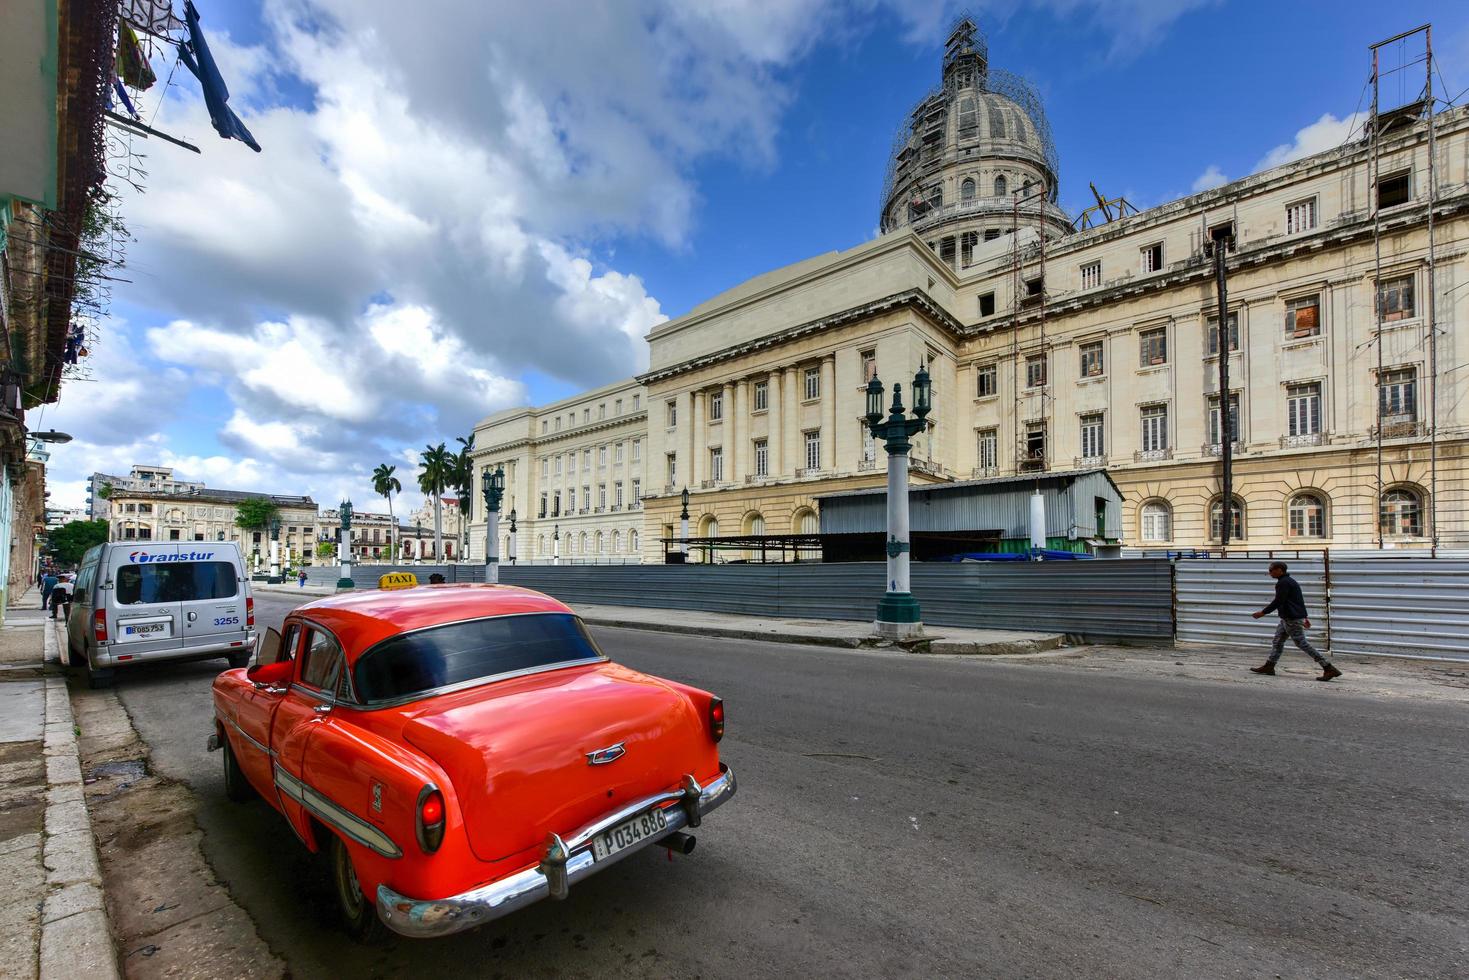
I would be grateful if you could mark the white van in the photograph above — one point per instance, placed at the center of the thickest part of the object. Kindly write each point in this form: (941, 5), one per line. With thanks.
(138, 601)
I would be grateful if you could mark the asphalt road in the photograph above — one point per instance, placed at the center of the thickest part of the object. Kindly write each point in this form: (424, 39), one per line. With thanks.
(905, 816)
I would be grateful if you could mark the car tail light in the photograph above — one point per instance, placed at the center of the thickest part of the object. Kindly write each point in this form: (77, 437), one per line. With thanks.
(429, 819)
(99, 625)
(249, 611)
(716, 718)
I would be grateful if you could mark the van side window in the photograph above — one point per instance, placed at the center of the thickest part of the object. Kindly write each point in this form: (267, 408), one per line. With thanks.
(175, 582)
(322, 658)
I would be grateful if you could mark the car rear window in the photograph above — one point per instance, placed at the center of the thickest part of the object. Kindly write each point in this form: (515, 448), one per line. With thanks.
(175, 582)
(423, 660)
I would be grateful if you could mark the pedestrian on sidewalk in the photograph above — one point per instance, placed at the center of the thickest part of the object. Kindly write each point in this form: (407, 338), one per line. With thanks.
(61, 596)
(48, 582)
(301, 579)
(1290, 605)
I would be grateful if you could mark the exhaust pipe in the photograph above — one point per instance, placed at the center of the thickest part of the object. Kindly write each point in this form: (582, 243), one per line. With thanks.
(679, 841)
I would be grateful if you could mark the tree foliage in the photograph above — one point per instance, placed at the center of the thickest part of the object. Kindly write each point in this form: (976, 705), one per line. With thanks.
(254, 513)
(70, 541)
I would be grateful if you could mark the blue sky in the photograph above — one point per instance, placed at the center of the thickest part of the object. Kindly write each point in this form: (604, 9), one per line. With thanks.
(489, 205)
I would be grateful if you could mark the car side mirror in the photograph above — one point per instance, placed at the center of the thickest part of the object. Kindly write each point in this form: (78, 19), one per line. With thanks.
(268, 647)
(271, 675)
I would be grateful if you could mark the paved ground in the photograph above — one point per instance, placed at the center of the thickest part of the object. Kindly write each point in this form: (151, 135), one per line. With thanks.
(902, 815)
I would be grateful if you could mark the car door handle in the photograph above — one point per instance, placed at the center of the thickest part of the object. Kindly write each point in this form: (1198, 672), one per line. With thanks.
(193, 616)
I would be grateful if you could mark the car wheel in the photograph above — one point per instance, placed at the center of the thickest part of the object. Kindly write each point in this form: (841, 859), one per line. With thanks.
(236, 787)
(97, 677)
(239, 659)
(359, 914)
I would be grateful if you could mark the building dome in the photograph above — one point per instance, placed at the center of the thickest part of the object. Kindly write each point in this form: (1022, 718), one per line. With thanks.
(970, 151)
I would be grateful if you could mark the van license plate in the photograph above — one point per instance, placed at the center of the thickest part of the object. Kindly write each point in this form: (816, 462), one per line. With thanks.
(628, 833)
(146, 630)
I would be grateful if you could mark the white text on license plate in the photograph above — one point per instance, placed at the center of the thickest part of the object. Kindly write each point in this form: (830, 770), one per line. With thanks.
(628, 833)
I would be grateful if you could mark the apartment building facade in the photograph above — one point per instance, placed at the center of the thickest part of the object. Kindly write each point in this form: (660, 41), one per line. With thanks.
(209, 515)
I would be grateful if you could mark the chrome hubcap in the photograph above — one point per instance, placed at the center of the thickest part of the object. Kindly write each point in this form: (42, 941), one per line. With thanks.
(347, 886)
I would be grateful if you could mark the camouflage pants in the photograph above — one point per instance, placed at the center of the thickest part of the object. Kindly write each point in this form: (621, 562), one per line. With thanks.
(1293, 629)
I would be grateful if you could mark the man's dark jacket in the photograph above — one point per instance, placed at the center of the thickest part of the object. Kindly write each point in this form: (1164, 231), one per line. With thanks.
(1288, 599)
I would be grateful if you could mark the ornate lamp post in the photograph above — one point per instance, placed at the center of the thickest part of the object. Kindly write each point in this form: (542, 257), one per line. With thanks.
(275, 551)
(897, 610)
(511, 542)
(492, 485)
(344, 550)
(683, 527)
(556, 545)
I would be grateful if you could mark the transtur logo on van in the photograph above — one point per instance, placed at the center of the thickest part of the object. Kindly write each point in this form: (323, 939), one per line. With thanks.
(141, 557)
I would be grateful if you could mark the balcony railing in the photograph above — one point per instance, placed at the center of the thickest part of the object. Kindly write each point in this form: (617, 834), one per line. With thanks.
(864, 465)
(1216, 449)
(1089, 462)
(1152, 455)
(926, 466)
(1399, 426)
(980, 472)
(1304, 439)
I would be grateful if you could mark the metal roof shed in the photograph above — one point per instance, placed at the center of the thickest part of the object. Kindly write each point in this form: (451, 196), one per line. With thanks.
(1081, 506)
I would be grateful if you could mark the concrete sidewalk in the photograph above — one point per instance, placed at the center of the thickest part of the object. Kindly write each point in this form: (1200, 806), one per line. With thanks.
(53, 922)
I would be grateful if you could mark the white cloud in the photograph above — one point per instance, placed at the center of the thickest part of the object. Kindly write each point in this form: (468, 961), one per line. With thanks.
(1326, 133)
(1211, 178)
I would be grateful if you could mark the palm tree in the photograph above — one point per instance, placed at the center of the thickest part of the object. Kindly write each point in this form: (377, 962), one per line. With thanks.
(463, 480)
(385, 484)
(433, 479)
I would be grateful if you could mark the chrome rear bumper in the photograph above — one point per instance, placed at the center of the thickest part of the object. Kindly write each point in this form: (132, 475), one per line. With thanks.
(567, 860)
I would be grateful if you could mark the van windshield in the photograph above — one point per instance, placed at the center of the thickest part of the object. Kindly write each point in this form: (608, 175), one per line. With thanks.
(175, 582)
(402, 666)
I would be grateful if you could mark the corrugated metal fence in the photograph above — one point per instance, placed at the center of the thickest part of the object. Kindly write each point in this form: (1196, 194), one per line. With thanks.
(1407, 607)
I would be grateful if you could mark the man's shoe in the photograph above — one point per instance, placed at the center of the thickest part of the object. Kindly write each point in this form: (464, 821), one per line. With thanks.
(1267, 669)
(1328, 672)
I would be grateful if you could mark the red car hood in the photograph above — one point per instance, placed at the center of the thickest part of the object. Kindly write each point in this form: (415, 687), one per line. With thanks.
(516, 750)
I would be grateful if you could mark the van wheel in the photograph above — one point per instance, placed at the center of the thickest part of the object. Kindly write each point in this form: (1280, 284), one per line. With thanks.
(97, 678)
(236, 787)
(239, 659)
(359, 914)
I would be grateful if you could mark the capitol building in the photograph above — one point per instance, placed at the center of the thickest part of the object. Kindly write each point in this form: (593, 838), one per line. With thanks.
(1057, 345)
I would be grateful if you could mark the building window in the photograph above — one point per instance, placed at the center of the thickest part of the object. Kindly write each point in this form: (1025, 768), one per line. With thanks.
(637, 450)
(543, 505)
(987, 304)
(556, 504)
(1091, 360)
(571, 500)
(1214, 419)
(1152, 257)
(1155, 428)
(1397, 396)
(1091, 436)
(1035, 442)
(672, 460)
(813, 449)
(601, 496)
(762, 457)
(557, 467)
(671, 408)
(545, 426)
(1303, 407)
(1211, 328)
(1153, 347)
(869, 365)
(1303, 317)
(987, 452)
(1300, 216)
(716, 406)
(1236, 520)
(601, 457)
(1395, 299)
(1000, 188)
(545, 467)
(145, 533)
(1306, 516)
(1035, 371)
(987, 380)
(586, 460)
(716, 464)
(1156, 522)
(1401, 515)
(637, 401)
(602, 411)
(586, 416)
(617, 407)
(813, 383)
(617, 452)
(558, 423)
(1394, 189)
(637, 494)
(617, 495)
(762, 395)
(1091, 275)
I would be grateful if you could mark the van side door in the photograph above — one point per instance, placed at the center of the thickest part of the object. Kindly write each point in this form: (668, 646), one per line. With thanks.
(211, 597)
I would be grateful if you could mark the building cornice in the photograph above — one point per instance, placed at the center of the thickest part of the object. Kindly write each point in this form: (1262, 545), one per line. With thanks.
(530, 441)
(914, 299)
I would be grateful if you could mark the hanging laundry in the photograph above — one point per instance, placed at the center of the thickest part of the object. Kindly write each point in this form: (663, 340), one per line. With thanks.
(132, 64)
(194, 53)
(122, 95)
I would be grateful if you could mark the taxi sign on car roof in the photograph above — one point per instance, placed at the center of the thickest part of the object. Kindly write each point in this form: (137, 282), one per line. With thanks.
(397, 580)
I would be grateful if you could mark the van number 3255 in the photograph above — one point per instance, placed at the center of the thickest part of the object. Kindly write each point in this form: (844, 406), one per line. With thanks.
(227, 621)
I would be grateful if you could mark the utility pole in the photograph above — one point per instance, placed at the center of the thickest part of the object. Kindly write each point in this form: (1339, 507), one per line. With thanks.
(1224, 242)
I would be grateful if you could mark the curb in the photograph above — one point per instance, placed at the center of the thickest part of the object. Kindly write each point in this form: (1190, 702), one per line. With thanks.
(76, 938)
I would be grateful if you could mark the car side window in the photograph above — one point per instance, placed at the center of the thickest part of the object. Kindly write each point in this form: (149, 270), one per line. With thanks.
(321, 660)
(283, 649)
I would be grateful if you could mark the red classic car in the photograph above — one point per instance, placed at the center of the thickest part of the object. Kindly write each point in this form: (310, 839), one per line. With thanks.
(463, 751)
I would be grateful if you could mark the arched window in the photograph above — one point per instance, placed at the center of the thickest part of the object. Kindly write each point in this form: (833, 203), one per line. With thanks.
(1155, 521)
(1236, 520)
(616, 542)
(540, 544)
(966, 189)
(1306, 516)
(805, 522)
(708, 527)
(1025, 188)
(585, 547)
(1401, 514)
(1000, 186)
(632, 542)
(597, 542)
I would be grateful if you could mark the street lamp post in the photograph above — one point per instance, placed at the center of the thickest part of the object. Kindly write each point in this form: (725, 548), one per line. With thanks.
(556, 545)
(683, 527)
(493, 487)
(275, 551)
(344, 550)
(897, 610)
(511, 542)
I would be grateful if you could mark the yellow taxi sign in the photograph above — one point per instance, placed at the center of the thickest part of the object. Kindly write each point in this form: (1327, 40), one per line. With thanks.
(397, 580)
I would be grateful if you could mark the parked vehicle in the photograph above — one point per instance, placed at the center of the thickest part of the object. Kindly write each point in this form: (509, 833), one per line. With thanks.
(458, 752)
(137, 602)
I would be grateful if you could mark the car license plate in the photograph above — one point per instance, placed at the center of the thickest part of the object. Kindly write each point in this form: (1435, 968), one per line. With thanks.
(146, 630)
(628, 833)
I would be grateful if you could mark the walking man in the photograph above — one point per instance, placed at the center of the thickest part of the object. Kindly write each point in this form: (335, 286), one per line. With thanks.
(1290, 605)
(48, 582)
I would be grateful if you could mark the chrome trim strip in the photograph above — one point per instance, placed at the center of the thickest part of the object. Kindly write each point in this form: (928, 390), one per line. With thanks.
(246, 736)
(425, 918)
(344, 820)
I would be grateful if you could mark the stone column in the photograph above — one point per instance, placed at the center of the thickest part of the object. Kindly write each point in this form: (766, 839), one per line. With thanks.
(727, 433)
(828, 413)
(791, 460)
(740, 427)
(683, 440)
(775, 423)
(697, 441)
